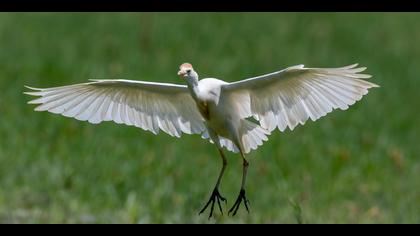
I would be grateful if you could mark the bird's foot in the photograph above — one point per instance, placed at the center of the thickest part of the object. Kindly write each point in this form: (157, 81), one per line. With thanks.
(215, 196)
(238, 201)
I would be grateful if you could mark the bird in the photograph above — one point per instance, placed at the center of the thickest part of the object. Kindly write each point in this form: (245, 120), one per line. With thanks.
(238, 116)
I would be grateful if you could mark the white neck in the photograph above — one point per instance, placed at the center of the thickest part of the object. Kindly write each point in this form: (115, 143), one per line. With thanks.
(192, 83)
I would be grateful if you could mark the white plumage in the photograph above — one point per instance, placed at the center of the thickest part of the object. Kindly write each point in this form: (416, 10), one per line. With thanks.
(278, 100)
(213, 108)
(292, 96)
(150, 106)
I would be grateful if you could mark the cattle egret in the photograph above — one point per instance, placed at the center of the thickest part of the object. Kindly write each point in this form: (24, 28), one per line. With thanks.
(219, 111)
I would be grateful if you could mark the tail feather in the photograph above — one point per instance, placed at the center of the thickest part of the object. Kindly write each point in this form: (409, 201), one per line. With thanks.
(224, 142)
(252, 135)
(228, 144)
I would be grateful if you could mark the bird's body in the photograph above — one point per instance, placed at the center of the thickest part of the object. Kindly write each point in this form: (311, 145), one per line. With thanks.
(215, 109)
(219, 116)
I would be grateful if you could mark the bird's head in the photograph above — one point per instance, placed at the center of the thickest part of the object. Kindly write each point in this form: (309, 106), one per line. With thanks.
(186, 71)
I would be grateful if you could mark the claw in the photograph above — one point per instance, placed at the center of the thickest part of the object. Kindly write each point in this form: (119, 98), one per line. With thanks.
(215, 196)
(238, 201)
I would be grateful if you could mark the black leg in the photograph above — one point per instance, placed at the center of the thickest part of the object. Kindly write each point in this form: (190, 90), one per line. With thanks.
(215, 196)
(241, 196)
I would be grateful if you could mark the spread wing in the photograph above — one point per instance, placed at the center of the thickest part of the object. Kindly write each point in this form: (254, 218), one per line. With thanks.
(150, 106)
(291, 96)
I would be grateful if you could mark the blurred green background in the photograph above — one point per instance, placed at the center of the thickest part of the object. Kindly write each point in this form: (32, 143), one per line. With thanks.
(354, 166)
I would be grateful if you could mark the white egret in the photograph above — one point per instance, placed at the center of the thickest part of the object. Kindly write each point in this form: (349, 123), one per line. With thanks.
(215, 109)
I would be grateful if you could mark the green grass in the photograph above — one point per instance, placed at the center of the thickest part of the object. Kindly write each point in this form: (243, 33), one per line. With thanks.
(355, 166)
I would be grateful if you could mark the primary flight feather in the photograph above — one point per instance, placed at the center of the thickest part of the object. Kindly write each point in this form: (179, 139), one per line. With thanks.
(216, 109)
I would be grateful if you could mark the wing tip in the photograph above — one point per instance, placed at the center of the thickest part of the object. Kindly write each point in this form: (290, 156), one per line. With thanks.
(353, 65)
(363, 68)
(33, 88)
(375, 85)
(363, 76)
(35, 92)
(30, 93)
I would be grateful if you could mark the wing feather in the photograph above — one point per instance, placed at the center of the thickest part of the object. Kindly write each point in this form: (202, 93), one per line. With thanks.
(149, 106)
(291, 96)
